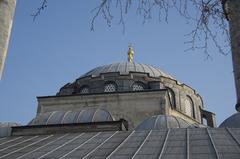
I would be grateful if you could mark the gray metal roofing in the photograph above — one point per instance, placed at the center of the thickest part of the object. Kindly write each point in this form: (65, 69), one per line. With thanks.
(67, 117)
(180, 143)
(232, 122)
(126, 67)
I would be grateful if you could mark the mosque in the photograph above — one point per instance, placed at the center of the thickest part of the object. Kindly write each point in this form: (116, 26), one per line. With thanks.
(122, 110)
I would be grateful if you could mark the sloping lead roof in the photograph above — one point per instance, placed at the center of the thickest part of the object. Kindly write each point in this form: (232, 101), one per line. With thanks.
(180, 143)
(125, 67)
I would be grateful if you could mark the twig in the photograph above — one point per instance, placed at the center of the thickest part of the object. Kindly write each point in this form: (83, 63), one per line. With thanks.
(39, 10)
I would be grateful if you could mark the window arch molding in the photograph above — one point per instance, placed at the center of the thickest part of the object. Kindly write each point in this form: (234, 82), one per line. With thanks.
(172, 97)
(138, 86)
(110, 86)
(189, 107)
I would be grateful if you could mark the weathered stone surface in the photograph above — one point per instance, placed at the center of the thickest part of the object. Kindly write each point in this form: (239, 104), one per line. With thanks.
(124, 83)
(133, 107)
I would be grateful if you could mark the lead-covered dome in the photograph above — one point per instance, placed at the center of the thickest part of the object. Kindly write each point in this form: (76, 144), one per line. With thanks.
(125, 68)
(232, 122)
(159, 122)
(68, 117)
(116, 77)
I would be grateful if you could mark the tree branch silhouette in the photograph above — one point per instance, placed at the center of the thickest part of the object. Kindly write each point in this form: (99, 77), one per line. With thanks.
(210, 25)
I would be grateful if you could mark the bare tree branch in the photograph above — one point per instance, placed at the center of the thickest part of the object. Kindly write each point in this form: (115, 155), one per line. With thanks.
(210, 23)
(208, 17)
(39, 10)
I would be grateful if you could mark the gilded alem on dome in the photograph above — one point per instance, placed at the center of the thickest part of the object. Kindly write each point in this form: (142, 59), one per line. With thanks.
(130, 53)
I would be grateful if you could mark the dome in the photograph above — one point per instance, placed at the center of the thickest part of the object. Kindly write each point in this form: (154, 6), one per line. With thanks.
(8, 124)
(68, 117)
(116, 77)
(125, 67)
(163, 122)
(232, 122)
(6, 128)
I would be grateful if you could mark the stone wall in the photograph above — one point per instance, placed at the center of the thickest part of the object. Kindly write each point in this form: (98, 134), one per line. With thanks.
(133, 107)
(124, 83)
(181, 92)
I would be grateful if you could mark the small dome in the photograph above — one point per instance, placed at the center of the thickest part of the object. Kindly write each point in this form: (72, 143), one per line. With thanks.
(6, 128)
(125, 67)
(163, 122)
(68, 117)
(232, 122)
(8, 124)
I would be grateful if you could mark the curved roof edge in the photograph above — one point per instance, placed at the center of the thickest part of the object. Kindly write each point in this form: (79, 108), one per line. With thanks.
(125, 68)
(232, 122)
(68, 117)
(159, 122)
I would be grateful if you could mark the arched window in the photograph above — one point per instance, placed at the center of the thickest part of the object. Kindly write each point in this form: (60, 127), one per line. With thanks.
(200, 112)
(204, 121)
(84, 90)
(189, 107)
(171, 95)
(110, 87)
(138, 86)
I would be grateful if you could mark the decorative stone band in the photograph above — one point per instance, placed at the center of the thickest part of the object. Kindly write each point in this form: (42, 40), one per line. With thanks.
(7, 8)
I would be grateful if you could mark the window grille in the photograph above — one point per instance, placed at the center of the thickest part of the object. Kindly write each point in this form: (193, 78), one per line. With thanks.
(110, 87)
(84, 90)
(137, 87)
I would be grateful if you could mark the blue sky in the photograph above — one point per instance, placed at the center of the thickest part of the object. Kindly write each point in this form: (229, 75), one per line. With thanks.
(58, 47)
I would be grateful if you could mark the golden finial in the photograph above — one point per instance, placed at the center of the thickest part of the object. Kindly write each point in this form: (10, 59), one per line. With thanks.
(130, 53)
